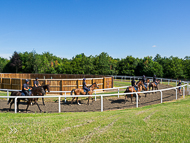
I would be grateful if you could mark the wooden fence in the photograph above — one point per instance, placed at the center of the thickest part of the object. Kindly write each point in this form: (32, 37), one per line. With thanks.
(56, 82)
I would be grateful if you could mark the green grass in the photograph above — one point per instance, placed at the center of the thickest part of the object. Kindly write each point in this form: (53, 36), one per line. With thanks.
(119, 83)
(171, 83)
(167, 122)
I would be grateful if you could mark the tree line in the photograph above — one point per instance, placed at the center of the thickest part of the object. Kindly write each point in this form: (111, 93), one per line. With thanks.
(102, 64)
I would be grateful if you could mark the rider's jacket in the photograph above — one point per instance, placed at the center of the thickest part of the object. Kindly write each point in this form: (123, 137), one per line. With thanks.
(133, 83)
(179, 84)
(36, 82)
(24, 86)
(154, 79)
(143, 79)
(84, 84)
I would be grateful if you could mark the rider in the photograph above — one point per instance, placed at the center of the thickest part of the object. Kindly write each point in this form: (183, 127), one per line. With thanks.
(26, 89)
(133, 83)
(179, 84)
(84, 86)
(155, 80)
(36, 83)
(144, 79)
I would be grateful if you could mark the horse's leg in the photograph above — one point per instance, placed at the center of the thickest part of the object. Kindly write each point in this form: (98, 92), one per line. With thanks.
(18, 101)
(125, 98)
(131, 98)
(11, 104)
(37, 105)
(43, 101)
(72, 100)
(92, 99)
(139, 97)
(28, 103)
(78, 101)
(88, 100)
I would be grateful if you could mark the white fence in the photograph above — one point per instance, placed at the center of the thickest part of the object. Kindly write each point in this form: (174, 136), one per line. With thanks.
(60, 96)
(122, 77)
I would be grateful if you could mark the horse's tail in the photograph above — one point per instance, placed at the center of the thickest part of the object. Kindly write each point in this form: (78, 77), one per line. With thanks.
(72, 91)
(127, 90)
(10, 98)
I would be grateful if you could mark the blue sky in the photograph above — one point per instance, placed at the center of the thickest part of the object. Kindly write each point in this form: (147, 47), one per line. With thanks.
(119, 27)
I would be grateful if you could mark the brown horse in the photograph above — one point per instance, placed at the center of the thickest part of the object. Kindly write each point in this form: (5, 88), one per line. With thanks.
(35, 91)
(154, 85)
(80, 91)
(132, 89)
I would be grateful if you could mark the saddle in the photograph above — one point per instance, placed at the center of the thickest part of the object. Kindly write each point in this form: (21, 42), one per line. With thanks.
(22, 93)
(136, 89)
(85, 91)
(156, 83)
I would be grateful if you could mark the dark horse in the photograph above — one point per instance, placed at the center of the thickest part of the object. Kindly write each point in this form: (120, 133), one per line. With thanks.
(80, 91)
(35, 91)
(45, 87)
(154, 85)
(132, 89)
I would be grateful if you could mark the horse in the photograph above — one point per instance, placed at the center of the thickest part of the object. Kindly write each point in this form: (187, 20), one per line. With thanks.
(154, 85)
(132, 89)
(80, 91)
(35, 91)
(45, 87)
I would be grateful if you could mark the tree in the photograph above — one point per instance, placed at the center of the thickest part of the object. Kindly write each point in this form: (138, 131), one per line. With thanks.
(15, 61)
(127, 66)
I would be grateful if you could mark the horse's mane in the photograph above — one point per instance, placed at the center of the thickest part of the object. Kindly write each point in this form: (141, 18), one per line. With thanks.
(138, 81)
(92, 84)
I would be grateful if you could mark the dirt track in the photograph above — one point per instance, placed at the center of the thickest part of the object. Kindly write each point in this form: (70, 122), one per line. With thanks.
(110, 103)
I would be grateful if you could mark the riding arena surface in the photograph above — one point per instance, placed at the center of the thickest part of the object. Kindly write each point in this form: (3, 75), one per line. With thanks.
(109, 103)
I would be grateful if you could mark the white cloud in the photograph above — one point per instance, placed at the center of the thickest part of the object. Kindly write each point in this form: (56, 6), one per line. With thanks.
(154, 46)
(7, 56)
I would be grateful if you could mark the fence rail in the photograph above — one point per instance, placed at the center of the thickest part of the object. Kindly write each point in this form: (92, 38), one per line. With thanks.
(60, 96)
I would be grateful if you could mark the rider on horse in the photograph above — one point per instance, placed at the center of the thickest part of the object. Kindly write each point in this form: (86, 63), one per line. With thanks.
(144, 81)
(133, 83)
(26, 89)
(36, 83)
(155, 80)
(84, 86)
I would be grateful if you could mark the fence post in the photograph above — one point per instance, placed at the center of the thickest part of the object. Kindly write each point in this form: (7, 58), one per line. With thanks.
(118, 92)
(161, 96)
(161, 80)
(65, 98)
(95, 94)
(168, 81)
(61, 87)
(7, 95)
(176, 82)
(130, 79)
(59, 104)
(183, 92)
(101, 103)
(16, 105)
(136, 100)
(176, 93)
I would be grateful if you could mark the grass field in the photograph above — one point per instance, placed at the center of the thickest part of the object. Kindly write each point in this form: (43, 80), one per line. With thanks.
(167, 122)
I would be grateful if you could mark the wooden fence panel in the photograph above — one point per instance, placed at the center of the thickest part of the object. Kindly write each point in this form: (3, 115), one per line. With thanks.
(63, 82)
